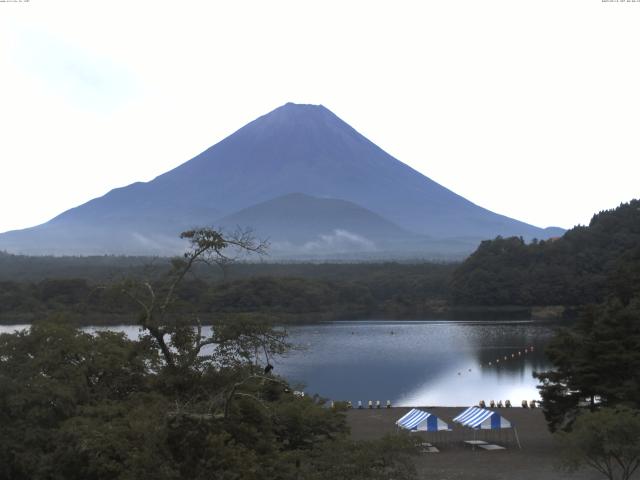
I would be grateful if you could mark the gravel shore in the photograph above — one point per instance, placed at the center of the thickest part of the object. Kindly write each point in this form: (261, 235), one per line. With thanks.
(537, 460)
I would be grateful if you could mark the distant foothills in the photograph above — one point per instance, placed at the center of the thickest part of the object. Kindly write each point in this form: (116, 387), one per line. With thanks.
(505, 277)
(298, 176)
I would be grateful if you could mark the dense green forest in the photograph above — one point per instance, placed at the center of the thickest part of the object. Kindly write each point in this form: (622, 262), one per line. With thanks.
(591, 396)
(505, 276)
(597, 362)
(109, 268)
(292, 292)
(582, 267)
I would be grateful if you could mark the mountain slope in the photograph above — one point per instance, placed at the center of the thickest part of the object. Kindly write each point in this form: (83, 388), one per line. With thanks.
(302, 224)
(295, 148)
(299, 217)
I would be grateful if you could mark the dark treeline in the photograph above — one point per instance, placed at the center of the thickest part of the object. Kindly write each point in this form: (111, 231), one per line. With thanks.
(101, 269)
(583, 267)
(291, 292)
(23, 268)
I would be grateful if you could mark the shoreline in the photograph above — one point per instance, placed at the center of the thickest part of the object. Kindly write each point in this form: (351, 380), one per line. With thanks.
(94, 319)
(538, 459)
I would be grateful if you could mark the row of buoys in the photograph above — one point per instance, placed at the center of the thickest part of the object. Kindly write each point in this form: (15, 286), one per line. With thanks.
(507, 404)
(392, 333)
(513, 355)
(371, 404)
(506, 357)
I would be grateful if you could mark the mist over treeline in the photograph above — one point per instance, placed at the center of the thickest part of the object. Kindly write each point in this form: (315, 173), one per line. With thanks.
(507, 276)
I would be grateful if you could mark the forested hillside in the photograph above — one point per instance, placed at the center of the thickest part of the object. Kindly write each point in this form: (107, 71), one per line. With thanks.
(581, 267)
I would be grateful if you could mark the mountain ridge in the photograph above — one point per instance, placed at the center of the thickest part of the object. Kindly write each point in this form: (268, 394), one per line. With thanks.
(294, 148)
(300, 224)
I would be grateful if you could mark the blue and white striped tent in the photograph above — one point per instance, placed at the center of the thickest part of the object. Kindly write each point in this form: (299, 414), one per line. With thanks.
(421, 421)
(481, 418)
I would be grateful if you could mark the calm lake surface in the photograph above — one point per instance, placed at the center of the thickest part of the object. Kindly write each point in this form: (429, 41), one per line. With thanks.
(413, 363)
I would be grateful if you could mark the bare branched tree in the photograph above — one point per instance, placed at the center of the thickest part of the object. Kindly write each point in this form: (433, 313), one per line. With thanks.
(178, 341)
(236, 251)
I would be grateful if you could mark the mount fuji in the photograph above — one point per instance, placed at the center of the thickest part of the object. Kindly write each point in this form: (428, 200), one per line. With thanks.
(298, 175)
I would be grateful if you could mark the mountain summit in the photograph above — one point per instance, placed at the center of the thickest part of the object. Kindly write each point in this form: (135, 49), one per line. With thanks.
(303, 149)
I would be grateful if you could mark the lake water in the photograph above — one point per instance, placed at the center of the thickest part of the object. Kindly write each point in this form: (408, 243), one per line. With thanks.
(414, 363)
(419, 363)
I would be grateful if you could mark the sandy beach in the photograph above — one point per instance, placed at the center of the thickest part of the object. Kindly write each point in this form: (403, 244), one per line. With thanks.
(538, 458)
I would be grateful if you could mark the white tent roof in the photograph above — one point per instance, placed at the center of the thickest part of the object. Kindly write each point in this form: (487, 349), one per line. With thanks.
(419, 420)
(481, 418)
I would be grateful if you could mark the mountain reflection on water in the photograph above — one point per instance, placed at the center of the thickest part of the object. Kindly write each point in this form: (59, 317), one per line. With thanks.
(418, 363)
(411, 363)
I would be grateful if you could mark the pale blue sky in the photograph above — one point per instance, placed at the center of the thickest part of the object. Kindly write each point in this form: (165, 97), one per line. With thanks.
(67, 70)
(529, 109)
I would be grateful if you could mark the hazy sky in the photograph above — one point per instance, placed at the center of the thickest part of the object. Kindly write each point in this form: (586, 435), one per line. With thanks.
(529, 108)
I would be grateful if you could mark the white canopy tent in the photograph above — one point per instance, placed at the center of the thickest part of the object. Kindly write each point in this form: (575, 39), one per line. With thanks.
(484, 419)
(420, 421)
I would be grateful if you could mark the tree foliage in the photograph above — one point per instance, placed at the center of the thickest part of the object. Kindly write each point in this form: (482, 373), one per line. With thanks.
(100, 406)
(179, 402)
(607, 440)
(298, 292)
(596, 363)
(584, 266)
